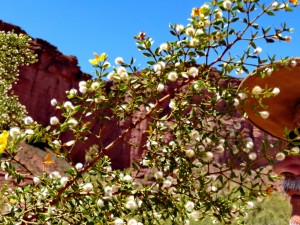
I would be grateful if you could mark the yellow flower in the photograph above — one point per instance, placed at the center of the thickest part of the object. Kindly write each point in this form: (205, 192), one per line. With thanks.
(200, 11)
(196, 12)
(269, 190)
(98, 58)
(48, 159)
(295, 2)
(3, 140)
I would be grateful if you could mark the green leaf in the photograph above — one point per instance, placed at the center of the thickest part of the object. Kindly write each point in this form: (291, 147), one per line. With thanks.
(147, 54)
(135, 166)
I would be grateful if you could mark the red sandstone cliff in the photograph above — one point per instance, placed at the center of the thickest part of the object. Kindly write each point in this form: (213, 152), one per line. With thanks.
(50, 77)
(53, 74)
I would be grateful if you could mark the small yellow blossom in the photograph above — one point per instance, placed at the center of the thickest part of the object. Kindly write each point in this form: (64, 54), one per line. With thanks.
(200, 11)
(3, 140)
(269, 190)
(47, 159)
(196, 12)
(98, 58)
(295, 2)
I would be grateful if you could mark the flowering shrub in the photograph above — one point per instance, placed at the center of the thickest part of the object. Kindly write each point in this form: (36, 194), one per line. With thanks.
(185, 142)
(14, 52)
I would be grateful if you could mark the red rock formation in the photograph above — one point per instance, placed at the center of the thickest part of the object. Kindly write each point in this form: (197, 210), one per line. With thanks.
(51, 77)
(53, 74)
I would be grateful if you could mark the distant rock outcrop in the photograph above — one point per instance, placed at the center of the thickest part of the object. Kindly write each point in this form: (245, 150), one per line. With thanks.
(49, 78)
(53, 74)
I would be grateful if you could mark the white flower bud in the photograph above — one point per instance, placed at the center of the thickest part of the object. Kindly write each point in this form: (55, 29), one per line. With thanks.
(288, 38)
(295, 150)
(160, 87)
(127, 178)
(29, 131)
(252, 156)
(88, 187)
(14, 132)
(172, 76)
(95, 86)
(219, 149)
(293, 63)
(218, 14)
(54, 120)
(242, 95)
(195, 135)
(57, 143)
(100, 203)
(163, 47)
(108, 190)
(113, 76)
(54, 174)
(70, 143)
(206, 23)
(72, 91)
(172, 104)
(227, 4)
(167, 183)
(119, 61)
(275, 5)
(133, 222)
(53, 102)
(145, 162)
(179, 28)
(199, 32)
(258, 50)
(158, 175)
(268, 71)
(239, 71)
(82, 89)
(190, 153)
(68, 105)
(275, 91)
(121, 69)
(64, 181)
(250, 205)
(209, 156)
(28, 120)
(72, 122)
(118, 221)
(82, 84)
(264, 114)
(131, 204)
(194, 42)
(249, 144)
(193, 71)
(257, 90)
(190, 31)
(280, 156)
(36, 180)
(189, 206)
(236, 102)
(79, 166)
(195, 215)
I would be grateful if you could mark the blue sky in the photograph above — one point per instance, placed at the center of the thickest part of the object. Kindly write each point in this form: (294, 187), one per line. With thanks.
(82, 27)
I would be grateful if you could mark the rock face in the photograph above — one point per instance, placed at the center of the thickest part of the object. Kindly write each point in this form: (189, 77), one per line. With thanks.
(49, 78)
(53, 74)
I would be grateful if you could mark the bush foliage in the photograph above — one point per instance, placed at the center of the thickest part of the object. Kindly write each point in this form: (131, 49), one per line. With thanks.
(184, 142)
